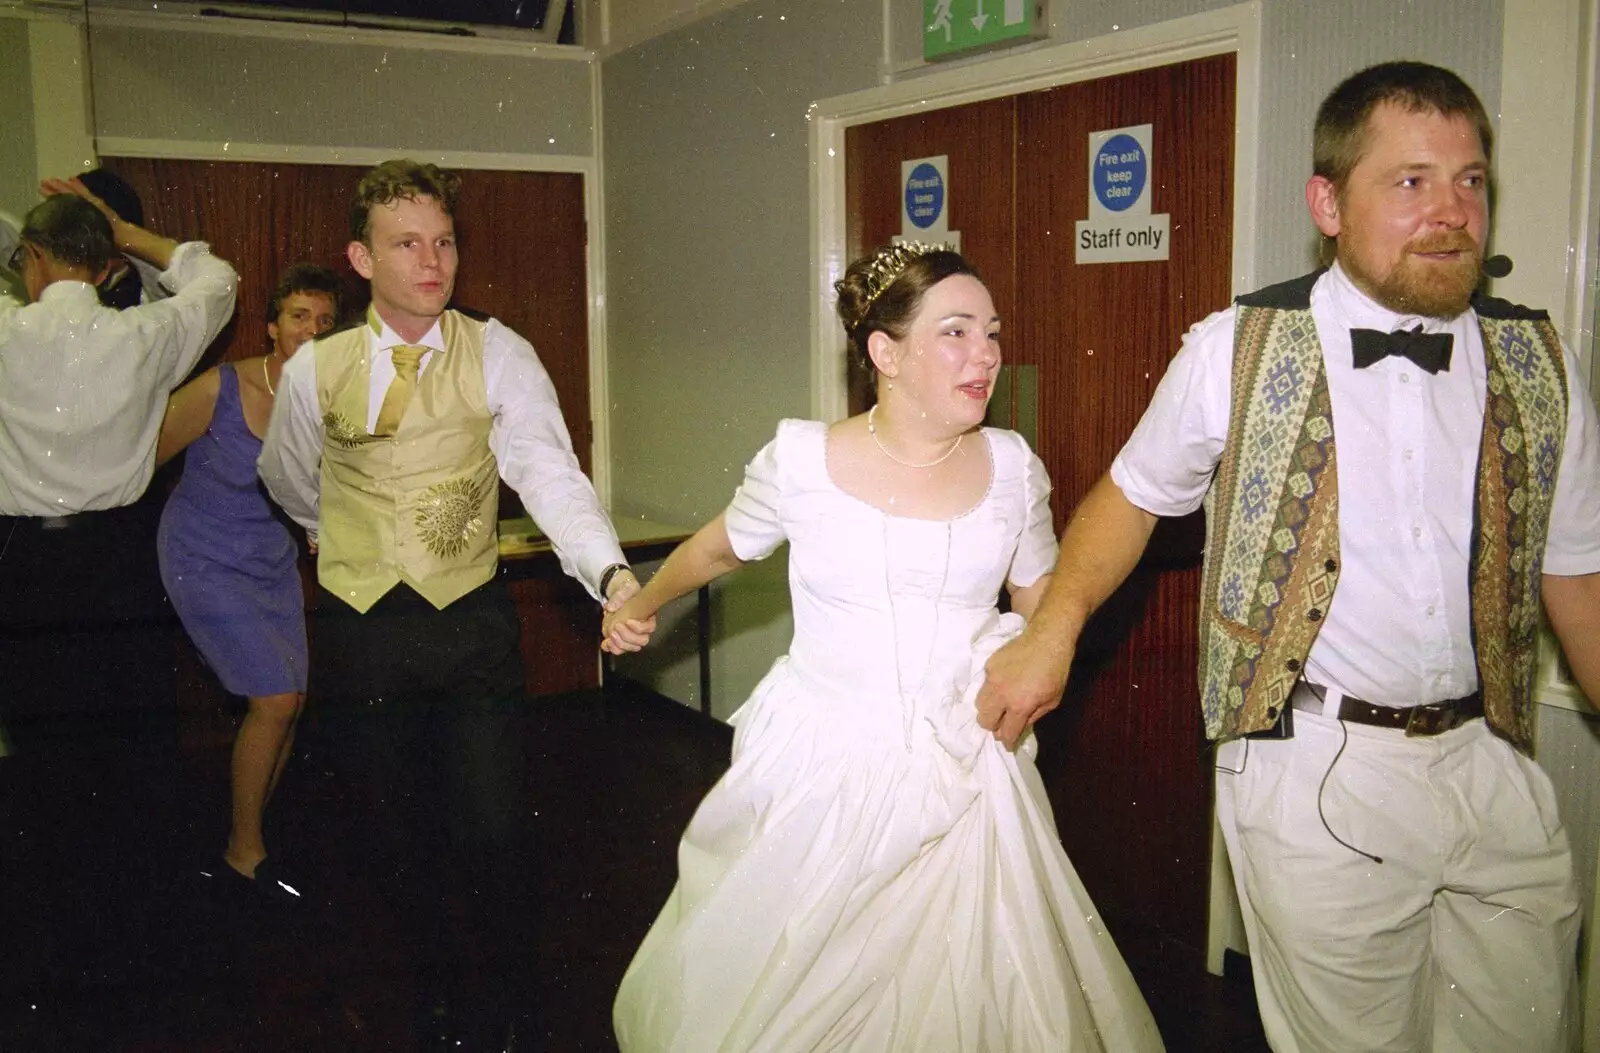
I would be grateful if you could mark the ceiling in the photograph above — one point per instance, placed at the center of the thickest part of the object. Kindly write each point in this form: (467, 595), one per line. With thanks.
(511, 14)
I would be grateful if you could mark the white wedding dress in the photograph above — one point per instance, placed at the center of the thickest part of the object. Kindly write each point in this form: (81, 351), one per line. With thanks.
(875, 873)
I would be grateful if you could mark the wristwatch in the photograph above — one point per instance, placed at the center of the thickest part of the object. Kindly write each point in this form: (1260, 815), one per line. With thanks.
(609, 573)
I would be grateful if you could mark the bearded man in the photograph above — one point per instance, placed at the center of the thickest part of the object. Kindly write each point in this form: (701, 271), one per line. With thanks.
(1398, 474)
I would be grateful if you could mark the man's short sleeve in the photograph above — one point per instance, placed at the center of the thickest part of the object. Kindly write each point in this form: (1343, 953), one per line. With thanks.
(1573, 544)
(1166, 466)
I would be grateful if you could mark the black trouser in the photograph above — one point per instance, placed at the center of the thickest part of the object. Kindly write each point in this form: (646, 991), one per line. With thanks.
(422, 708)
(87, 638)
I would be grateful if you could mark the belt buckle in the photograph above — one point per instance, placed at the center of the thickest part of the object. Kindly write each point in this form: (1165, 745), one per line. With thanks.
(1434, 719)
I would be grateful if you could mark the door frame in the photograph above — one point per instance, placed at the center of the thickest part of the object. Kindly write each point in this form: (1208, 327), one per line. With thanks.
(1550, 122)
(1235, 29)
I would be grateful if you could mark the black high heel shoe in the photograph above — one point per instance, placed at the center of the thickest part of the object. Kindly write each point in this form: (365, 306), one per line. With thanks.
(267, 882)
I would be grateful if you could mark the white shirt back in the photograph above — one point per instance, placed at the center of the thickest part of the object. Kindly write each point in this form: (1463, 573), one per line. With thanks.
(83, 387)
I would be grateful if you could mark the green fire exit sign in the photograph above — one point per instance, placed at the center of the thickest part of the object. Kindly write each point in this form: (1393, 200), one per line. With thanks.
(954, 27)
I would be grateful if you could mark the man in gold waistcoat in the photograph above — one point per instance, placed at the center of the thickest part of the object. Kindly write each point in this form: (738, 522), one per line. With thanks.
(387, 444)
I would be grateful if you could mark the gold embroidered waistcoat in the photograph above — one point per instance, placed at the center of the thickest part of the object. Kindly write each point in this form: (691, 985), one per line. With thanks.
(419, 506)
(1272, 512)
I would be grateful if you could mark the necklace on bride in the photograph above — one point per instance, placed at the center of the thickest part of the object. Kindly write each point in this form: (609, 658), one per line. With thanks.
(872, 430)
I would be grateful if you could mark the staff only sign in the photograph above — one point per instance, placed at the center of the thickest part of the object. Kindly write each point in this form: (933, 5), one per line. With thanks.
(1120, 228)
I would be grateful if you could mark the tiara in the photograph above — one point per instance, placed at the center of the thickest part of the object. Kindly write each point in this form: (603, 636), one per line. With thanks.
(889, 262)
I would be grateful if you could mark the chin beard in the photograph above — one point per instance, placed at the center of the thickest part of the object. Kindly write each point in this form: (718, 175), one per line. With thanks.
(1429, 289)
(1433, 291)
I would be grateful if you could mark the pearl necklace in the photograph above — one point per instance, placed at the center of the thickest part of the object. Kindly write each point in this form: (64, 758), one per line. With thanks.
(872, 430)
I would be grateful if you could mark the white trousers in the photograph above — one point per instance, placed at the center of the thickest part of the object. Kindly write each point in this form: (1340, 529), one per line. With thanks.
(1463, 937)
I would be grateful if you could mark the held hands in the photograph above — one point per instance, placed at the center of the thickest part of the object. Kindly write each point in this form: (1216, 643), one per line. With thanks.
(626, 626)
(1024, 680)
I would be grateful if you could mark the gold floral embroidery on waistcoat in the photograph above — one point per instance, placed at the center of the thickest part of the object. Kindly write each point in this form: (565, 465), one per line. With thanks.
(341, 430)
(450, 514)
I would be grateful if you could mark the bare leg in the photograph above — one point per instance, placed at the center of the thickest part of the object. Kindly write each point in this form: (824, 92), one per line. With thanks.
(287, 747)
(259, 754)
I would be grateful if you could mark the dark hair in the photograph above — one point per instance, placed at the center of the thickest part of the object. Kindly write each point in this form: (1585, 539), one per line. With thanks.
(71, 231)
(867, 306)
(115, 192)
(1340, 135)
(305, 278)
(397, 179)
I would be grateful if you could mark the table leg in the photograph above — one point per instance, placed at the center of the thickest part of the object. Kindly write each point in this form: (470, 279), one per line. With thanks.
(703, 618)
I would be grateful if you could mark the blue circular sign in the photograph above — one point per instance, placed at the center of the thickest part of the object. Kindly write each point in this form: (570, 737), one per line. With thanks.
(924, 196)
(1120, 169)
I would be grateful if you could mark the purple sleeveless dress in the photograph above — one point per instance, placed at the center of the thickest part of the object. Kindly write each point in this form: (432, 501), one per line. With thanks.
(229, 564)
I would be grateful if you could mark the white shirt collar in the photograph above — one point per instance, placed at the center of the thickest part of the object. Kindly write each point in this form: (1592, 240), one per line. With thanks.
(68, 289)
(385, 337)
(1363, 312)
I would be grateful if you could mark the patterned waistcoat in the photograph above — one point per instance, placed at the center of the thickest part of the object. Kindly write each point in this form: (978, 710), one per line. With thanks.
(419, 506)
(1272, 544)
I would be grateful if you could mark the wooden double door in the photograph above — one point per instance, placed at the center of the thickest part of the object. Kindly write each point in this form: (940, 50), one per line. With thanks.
(1124, 758)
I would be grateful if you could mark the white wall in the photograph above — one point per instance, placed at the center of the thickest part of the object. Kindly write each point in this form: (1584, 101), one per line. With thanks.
(336, 90)
(46, 131)
(18, 178)
(707, 191)
(625, 23)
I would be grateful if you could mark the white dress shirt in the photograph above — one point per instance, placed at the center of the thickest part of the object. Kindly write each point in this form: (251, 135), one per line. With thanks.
(527, 436)
(1399, 629)
(83, 388)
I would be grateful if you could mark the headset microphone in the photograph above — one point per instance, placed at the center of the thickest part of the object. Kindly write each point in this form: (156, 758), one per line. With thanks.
(1497, 266)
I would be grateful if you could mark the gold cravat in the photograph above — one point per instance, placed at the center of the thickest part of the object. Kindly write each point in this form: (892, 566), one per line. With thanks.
(406, 360)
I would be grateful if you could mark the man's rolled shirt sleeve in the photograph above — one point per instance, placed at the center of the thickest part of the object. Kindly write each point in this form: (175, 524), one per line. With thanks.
(182, 326)
(530, 441)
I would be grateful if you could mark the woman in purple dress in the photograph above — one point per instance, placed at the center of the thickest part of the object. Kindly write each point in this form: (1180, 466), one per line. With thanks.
(229, 564)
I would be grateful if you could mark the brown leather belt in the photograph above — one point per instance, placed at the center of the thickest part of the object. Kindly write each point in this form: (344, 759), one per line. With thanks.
(1431, 719)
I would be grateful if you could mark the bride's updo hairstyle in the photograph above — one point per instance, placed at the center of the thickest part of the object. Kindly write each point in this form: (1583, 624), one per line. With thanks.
(882, 292)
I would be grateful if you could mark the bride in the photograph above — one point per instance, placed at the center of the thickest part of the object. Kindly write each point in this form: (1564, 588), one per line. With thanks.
(875, 872)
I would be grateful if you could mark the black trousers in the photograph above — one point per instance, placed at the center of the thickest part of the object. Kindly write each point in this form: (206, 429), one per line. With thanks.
(421, 711)
(87, 637)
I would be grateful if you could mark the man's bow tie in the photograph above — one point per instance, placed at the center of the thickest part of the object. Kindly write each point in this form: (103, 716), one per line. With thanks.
(1431, 351)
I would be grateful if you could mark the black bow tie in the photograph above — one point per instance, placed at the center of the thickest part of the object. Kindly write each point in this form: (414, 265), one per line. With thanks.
(1430, 351)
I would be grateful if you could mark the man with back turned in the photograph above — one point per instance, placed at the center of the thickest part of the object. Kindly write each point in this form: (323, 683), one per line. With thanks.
(85, 635)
